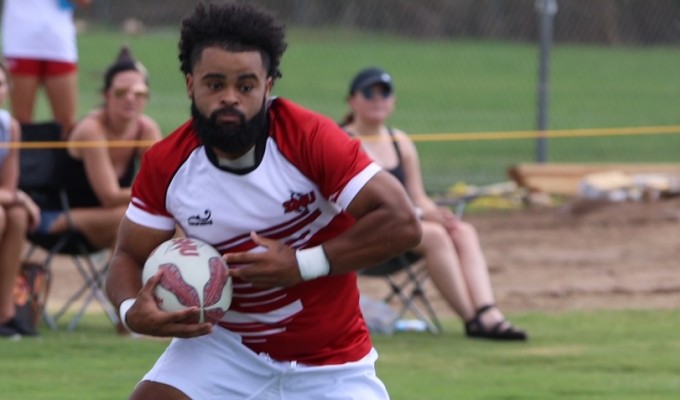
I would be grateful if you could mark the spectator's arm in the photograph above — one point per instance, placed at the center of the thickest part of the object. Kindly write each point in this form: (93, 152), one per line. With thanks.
(414, 178)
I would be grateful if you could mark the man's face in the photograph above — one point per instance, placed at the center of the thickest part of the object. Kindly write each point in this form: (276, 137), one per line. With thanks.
(228, 92)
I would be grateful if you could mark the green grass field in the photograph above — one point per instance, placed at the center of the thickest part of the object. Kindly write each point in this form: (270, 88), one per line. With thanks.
(617, 355)
(448, 87)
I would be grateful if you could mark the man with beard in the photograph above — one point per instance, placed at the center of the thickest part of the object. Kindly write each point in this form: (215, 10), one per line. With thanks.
(292, 202)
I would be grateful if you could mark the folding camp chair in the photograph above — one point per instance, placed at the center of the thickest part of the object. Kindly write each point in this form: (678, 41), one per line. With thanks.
(405, 276)
(42, 178)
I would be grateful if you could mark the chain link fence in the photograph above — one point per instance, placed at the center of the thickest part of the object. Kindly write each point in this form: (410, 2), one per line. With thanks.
(580, 21)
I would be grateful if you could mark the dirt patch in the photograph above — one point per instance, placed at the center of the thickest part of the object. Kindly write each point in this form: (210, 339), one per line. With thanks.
(578, 256)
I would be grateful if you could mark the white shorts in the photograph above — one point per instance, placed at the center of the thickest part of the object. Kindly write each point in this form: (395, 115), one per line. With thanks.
(218, 366)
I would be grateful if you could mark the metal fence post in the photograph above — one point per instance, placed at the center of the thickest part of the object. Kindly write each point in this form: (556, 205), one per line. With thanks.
(546, 10)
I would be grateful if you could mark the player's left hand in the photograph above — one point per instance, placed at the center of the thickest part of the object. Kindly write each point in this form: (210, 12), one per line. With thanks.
(275, 267)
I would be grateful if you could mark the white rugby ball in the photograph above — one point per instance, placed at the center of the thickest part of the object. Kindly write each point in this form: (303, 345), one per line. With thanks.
(194, 274)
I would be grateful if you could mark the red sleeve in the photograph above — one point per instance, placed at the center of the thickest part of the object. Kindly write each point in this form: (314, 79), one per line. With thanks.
(159, 165)
(317, 146)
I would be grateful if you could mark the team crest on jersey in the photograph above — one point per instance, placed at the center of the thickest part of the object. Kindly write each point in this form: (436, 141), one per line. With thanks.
(299, 202)
(197, 220)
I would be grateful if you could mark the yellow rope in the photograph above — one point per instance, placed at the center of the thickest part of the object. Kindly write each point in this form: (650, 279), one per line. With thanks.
(555, 133)
(423, 137)
(562, 133)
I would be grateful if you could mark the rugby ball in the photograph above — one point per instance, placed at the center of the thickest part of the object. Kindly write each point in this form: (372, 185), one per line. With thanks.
(194, 274)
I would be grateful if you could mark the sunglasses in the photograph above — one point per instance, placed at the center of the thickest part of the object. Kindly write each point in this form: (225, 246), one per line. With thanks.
(138, 93)
(372, 91)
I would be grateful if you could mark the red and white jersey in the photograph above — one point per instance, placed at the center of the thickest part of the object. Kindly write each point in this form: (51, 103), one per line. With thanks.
(307, 176)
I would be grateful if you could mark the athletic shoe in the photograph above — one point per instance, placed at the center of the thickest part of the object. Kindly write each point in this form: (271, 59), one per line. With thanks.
(9, 333)
(20, 327)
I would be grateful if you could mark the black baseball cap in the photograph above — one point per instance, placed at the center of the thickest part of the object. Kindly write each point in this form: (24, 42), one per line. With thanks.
(369, 77)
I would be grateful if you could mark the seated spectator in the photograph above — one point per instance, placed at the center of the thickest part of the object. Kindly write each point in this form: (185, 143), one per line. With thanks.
(18, 213)
(100, 177)
(450, 246)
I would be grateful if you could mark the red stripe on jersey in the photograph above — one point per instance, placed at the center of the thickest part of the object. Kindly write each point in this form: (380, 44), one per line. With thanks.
(276, 232)
(153, 179)
(254, 327)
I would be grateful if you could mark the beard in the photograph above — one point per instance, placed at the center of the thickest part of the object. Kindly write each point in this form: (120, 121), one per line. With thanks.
(232, 137)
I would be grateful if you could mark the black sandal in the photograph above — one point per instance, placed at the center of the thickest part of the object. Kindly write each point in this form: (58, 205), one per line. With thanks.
(502, 330)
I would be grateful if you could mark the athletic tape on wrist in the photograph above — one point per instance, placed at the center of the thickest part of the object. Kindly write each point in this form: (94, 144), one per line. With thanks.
(123, 310)
(312, 263)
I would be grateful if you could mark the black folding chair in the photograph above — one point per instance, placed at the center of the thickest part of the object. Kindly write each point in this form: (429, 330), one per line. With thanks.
(405, 275)
(42, 178)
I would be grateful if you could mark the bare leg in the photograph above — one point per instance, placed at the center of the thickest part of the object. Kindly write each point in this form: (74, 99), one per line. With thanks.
(13, 225)
(98, 225)
(476, 272)
(23, 96)
(62, 93)
(475, 268)
(147, 390)
(444, 269)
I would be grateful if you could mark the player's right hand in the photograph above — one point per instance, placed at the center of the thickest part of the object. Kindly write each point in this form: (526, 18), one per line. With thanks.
(146, 318)
(275, 267)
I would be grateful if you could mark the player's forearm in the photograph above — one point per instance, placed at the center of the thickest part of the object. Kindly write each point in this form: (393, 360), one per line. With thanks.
(124, 279)
(135, 243)
(379, 235)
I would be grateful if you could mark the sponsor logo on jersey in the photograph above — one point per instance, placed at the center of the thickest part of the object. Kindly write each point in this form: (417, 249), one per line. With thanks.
(197, 220)
(299, 202)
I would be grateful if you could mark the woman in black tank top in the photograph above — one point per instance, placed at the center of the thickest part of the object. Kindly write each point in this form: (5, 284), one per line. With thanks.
(450, 246)
(100, 177)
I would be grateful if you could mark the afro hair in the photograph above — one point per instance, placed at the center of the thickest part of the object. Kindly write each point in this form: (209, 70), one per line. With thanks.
(233, 27)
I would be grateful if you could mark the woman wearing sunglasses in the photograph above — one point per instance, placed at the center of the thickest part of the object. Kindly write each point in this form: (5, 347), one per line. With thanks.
(100, 171)
(450, 246)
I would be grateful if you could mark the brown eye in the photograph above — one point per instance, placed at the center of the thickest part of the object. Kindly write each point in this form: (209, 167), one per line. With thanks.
(214, 86)
(141, 94)
(119, 93)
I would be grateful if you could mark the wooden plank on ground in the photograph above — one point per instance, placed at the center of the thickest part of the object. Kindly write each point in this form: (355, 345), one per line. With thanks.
(565, 179)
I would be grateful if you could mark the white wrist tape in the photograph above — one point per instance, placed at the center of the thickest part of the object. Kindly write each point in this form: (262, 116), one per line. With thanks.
(312, 263)
(123, 310)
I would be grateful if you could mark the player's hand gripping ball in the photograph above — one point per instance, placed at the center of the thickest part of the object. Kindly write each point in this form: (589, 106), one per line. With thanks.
(194, 274)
